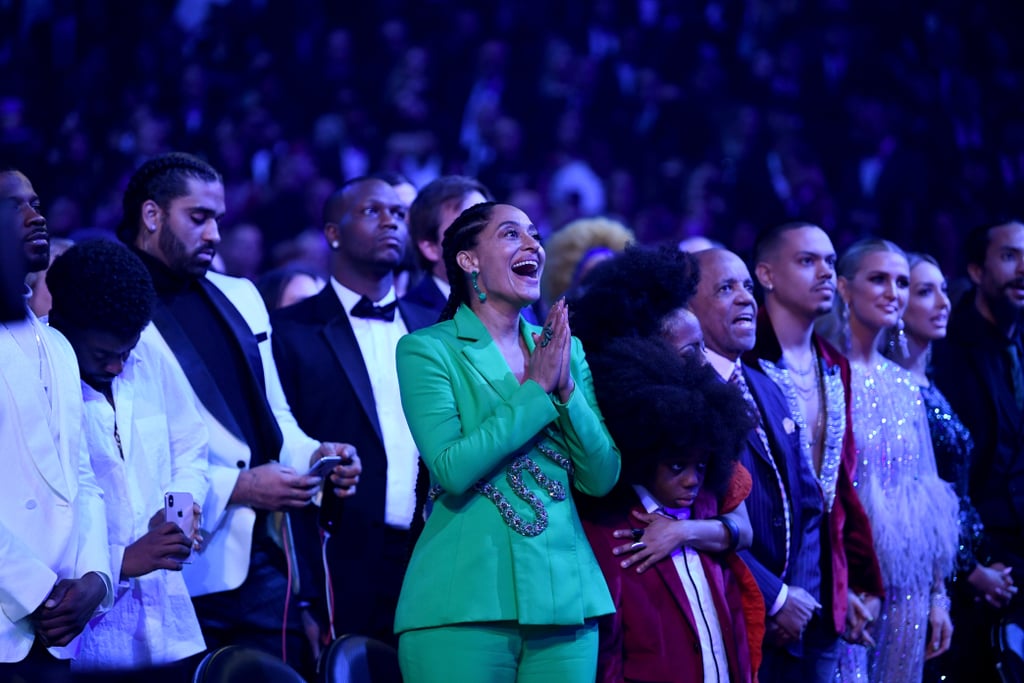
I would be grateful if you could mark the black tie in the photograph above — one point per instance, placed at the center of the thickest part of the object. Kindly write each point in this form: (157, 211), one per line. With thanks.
(367, 309)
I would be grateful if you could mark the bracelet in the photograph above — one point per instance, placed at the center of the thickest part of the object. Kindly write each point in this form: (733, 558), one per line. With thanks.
(733, 530)
(941, 600)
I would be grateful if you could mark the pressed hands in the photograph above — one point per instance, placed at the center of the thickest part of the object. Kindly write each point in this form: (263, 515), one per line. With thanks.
(549, 364)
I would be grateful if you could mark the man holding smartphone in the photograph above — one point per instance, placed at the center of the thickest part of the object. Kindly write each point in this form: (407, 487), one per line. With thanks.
(146, 440)
(217, 330)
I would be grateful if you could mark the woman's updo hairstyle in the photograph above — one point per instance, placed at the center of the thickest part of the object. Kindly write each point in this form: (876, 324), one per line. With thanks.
(461, 235)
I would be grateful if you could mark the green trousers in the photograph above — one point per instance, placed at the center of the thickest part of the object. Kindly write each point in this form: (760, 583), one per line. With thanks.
(500, 652)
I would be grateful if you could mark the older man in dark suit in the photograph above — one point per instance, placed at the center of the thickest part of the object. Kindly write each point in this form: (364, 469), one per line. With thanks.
(785, 505)
(336, 355)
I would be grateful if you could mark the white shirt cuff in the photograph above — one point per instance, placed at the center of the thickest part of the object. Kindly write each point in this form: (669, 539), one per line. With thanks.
(780, 600)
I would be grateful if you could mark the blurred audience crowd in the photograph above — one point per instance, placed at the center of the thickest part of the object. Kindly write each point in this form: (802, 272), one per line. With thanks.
(679, 119)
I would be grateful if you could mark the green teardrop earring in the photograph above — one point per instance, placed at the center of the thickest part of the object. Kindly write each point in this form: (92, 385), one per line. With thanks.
(480, 294)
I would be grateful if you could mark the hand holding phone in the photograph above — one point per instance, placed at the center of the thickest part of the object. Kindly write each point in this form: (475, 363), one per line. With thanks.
(179, 508)
(323, 466)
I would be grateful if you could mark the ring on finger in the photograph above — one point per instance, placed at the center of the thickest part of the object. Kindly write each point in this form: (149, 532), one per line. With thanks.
(546, 335)
(638, 545)
(637, 534)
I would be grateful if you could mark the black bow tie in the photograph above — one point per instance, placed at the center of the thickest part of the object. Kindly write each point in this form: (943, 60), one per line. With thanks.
(367, 309)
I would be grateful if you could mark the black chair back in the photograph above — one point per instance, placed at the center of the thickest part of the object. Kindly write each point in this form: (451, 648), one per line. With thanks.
(238, 664)
(354, 658)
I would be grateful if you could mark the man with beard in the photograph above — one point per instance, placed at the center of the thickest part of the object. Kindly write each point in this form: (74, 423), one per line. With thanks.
(56, 569)
(218, 330)
(978, 367)
(335, 352)
(785, 506)
(795, 265)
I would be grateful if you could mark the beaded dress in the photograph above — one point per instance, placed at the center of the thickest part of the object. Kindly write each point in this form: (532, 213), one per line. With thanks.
(913, 517)
(953, 445)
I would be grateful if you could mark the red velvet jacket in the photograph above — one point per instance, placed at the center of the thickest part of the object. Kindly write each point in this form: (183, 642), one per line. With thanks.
(652, 635)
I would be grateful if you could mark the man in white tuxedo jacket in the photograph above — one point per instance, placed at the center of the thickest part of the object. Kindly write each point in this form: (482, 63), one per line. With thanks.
(218, 330)
(55, 571)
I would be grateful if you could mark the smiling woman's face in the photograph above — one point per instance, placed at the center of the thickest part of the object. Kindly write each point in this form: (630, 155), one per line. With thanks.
(877, 294)
(509, 257)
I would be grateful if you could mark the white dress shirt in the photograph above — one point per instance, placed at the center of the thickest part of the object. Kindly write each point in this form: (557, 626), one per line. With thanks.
(378, 340)
(163, 449)
(698, 594)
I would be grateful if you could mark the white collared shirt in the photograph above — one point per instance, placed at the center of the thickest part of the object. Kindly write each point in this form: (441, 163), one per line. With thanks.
(378, 341)
(163, 448)
(443, 285)
(698, 593)
(722, 365)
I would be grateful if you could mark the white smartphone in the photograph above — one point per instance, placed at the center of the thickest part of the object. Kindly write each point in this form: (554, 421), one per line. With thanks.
(178, 509)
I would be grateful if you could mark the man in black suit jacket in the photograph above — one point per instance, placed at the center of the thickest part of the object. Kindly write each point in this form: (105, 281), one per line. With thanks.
(785, 505)
(336, 356)
(979, 369)
(435, 208)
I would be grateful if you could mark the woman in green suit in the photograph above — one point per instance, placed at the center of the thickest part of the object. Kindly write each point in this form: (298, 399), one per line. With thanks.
(502, 585)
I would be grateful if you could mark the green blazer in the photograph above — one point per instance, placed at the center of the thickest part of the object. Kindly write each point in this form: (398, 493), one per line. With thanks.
(470, 416)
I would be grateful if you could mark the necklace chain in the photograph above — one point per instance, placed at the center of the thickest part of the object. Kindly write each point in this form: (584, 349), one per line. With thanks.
(39, 352)
(807, 394)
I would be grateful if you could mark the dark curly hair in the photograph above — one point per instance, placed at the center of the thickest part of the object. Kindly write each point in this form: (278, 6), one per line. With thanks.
(462, 234)
(101, 285)
(631, 294)
(659, 406)
(162, 179)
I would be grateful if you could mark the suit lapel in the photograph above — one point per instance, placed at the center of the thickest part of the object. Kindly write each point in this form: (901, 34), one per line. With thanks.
(338, 334)
(32, 405)
(198, 376)
(414, 316)
(770, 411)
(483, 354)
(243, 334)
(670, 576)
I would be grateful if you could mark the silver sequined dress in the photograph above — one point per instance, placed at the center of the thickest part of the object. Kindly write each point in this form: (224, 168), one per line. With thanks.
(913, 517)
